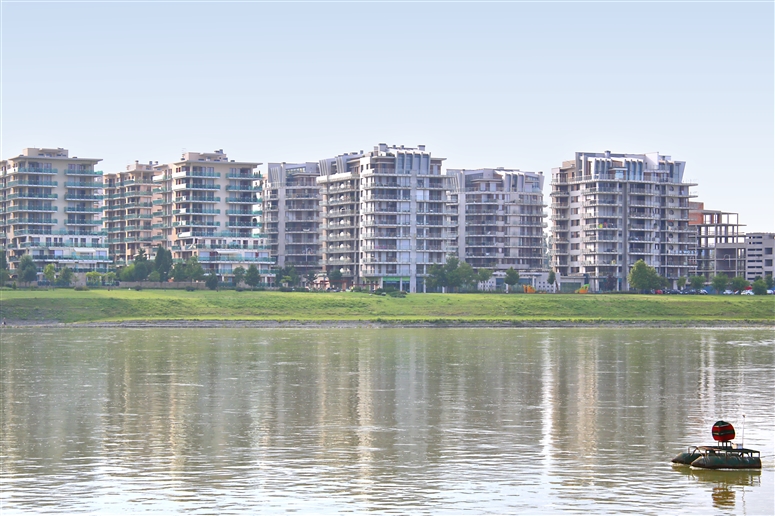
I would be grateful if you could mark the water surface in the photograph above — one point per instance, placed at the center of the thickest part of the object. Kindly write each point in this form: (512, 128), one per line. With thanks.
(397, 421)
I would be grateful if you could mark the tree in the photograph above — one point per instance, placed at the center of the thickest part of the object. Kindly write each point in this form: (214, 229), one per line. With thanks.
(194, 270)
(463, 276)
(4, 277)
(335, 276)
(3, 260)
(93, 278)
(179, 272)
(154, 276)
(483, 275)
(65, 277)
(287, 275)
(552, 278)
(163, 263)
(141, 270)
(110, 278)
(643, 277)
(50, 273)
(239, 275)
(512, 278)
(212, 281)
(720, 282)
(769, 281)
(739, 283)
(609, 284)
(252, 278)
(128, 273)
(437, 277)
(760, 287)
(681, 282)
(697, 282)
(27, 270)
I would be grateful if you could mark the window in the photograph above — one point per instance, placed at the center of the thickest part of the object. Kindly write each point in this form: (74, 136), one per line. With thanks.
(768, 250)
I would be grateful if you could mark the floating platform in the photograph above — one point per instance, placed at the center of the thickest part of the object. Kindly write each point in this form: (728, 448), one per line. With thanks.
(720, 457)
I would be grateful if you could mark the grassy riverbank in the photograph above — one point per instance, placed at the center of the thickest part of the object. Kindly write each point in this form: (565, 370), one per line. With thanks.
(69, 306)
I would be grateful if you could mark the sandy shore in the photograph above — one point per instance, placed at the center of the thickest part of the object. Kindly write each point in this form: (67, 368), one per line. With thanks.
(397, 324)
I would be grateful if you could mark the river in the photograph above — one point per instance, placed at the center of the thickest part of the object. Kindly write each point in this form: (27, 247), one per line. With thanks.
(399, 421)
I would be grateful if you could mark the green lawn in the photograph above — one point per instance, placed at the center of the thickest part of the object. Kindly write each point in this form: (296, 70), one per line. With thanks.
(126, 305)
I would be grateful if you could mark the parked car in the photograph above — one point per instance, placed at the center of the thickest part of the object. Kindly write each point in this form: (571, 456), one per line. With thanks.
(746, 293)
(727, 292)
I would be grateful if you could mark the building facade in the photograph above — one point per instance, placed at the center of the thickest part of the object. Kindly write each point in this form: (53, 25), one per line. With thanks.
(51, 209)
(383, 216)
(496, 218)
(719, 242)
(205, 206)
(759, 255)
(128, 211)
(291, 211)
(610, 210)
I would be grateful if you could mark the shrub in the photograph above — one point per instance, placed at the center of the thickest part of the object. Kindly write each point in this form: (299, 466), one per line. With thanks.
(286, 289)
(239, 289)
(189, 288)
(81, 288)
(138, 288)
(396, 293)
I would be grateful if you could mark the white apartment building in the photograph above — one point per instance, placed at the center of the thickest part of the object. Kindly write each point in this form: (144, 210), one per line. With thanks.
(383, 216)
(206, 207)
(128, 207)
(496, 218)
(610, 210)
(759, 255)
(291, 211)
(50, 208)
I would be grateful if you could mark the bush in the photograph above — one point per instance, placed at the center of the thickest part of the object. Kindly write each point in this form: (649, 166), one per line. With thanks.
(138, 288)
(396, 293)
(239, 289)
(189, 288)
(286, 289)
(81, 288)
(13, 287)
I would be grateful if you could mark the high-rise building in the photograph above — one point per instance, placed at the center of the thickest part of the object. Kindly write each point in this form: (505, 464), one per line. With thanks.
(291, 212)
(383, 216)
(496, 218)
(720, 243)
(759, 255)
(128, 208)
(51, 208)
(206, 207)
(610, 210)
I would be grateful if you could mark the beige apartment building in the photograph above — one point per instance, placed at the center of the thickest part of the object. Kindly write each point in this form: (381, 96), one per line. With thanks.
(51, 208)
(759, 255)
(206, 206)
(291, 211)
(496, 218)
(610, 210)
(128, 211)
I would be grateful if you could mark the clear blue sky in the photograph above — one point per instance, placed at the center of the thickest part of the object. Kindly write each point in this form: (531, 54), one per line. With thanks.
(521, 85)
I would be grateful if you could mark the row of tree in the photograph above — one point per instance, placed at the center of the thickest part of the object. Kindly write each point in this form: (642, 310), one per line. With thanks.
(643, 277)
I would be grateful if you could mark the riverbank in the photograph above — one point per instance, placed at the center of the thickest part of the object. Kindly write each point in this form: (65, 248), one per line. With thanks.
(179, 308)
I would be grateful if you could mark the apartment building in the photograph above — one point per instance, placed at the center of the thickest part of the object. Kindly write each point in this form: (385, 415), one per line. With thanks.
(205, 206)
(610, 210)
(51, 208)
(720, 242)
(128, 207)
(759, 255)
(291, 211)
(383, 216)
(496, 218)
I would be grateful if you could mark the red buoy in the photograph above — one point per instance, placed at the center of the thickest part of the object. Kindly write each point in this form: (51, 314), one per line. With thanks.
(723, 431)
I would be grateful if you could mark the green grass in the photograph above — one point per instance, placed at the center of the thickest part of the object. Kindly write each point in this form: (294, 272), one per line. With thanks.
(69, 306)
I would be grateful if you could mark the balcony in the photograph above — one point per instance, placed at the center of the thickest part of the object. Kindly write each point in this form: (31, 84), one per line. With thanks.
(72, 172)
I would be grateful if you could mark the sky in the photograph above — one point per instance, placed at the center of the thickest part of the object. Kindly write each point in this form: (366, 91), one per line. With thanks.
(483, 84)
